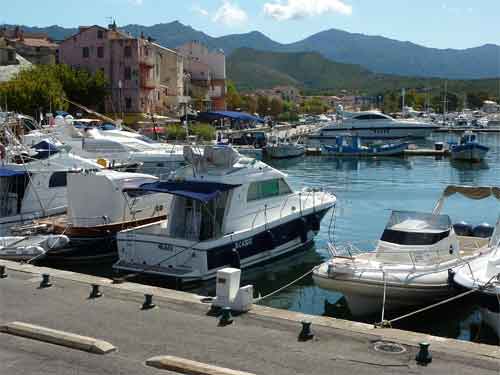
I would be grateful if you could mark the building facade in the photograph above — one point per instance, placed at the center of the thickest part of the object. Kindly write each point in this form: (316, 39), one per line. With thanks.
(37, 48)
(144, 77)
(207, 71)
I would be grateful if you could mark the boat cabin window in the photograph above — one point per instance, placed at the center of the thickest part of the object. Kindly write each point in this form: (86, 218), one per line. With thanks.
(416, 229)
(58, 179)
(370, 117)
(267, 189)
(12, 190)
(196, 221)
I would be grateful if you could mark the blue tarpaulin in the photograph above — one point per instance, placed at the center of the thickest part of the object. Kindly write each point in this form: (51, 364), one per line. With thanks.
(5, 172)
(197, 190)
(232, 115)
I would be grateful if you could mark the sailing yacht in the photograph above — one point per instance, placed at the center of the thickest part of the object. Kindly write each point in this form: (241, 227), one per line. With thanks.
(226, 210)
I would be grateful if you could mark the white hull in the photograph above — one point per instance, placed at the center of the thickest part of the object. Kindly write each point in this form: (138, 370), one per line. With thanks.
(285, 151)
(328, 135)
(404, 290)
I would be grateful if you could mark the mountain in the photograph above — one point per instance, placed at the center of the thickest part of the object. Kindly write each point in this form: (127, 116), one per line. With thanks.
(375, 53)
(251, 69)
(390, 56)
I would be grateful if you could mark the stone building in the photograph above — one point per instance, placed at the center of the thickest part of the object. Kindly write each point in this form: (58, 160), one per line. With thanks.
(144, 77)
(207, 70)
(37, 48)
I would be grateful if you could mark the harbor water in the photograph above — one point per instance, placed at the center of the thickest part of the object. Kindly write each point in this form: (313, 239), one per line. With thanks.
(367, 191)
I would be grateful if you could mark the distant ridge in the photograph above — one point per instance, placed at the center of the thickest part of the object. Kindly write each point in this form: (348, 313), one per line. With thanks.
(375, 53)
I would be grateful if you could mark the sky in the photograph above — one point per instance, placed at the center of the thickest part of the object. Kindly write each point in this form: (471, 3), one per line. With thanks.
(439, 24)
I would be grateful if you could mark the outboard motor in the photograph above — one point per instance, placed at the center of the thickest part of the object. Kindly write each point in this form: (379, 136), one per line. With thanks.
(483, 230)
(462, 229)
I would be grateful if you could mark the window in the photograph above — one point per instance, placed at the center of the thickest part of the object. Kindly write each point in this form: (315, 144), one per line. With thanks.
(128, 103)
(127, 73)
(127, 51)
(11, 55)
(267, 189)
(85, 52)
(370, 117)
(58, 179)
(100, 52)
(100, 34)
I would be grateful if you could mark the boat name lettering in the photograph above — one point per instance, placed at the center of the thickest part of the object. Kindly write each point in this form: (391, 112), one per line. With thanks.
(243, 243)
(166, 246)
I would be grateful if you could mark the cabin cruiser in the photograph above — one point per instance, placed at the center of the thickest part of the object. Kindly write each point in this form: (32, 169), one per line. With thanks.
(226, 210)
(370, 125)
(112, 144)
(411, 263)
(37, 188)
(278, 149)
(100, 204)
(469, 148)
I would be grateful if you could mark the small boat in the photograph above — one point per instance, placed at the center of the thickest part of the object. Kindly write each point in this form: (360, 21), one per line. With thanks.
(284, 150)
(469, 148)
(347, 145)
(226, 210)
(483, 275)
(411, 263)
(26, 248)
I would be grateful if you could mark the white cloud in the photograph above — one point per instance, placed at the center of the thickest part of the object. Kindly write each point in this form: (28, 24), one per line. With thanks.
(230, 14)
(295, 9)
(200, 10)
(136, 2)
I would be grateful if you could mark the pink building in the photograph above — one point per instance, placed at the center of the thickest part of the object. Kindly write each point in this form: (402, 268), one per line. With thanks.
(208, 72)
(144, 77)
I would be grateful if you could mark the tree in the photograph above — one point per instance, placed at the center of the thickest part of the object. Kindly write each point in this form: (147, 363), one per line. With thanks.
(263, 105)
(276, 106)
(43, 87)
(249, 104)
(233, 98)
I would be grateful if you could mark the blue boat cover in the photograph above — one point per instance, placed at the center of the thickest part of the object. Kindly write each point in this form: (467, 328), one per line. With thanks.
(5, 172)
(197, 190)
(233, 115)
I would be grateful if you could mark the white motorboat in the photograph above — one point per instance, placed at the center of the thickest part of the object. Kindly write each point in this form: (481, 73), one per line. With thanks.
(114, 145)
(226, 210)
(483, 274)
(37, 188)
(284, 150)
(100, 204)
(370, 125)
(410, 264)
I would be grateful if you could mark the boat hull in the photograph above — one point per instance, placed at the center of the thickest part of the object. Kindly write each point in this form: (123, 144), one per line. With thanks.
(470, 152)
(388, 150)
(277, 152)
(240, 250)
(365, 298)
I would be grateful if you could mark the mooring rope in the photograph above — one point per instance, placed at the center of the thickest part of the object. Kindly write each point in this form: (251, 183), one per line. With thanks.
(485, 286)
(257, 300)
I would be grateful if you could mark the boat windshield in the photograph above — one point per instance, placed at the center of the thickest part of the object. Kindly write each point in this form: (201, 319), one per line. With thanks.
(415, 228)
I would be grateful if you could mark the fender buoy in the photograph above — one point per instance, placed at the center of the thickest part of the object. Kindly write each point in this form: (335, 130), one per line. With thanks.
(315, 223)
(303, 229)
(235, 259)
(2, 152)
(269, 240)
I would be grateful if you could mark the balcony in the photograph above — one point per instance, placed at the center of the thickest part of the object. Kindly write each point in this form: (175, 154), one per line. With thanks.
(147, 62)
(148, 84)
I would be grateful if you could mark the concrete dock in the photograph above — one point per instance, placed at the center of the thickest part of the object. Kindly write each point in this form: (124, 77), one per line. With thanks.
(262, 341)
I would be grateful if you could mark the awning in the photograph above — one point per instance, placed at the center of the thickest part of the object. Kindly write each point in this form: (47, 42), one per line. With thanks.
(5, 172)
(232, 115)
(200, 191)
(471, 192)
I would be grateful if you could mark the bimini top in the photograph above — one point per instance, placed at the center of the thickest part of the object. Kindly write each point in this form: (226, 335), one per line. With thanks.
(197, 190)
(5, 172)
(233, 115)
